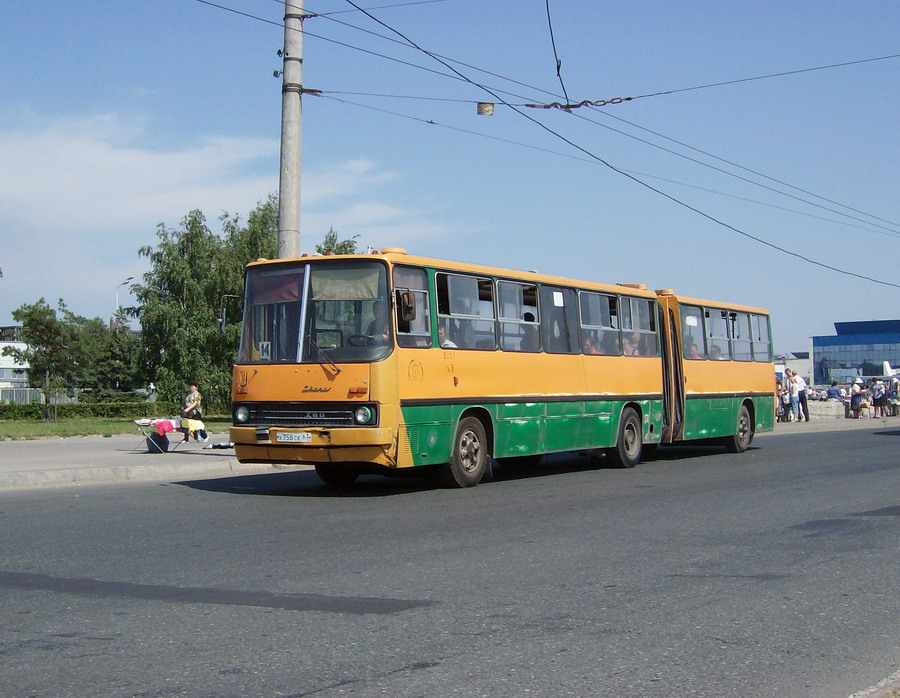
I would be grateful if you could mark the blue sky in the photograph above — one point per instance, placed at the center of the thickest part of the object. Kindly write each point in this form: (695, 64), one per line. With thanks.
(118, 116)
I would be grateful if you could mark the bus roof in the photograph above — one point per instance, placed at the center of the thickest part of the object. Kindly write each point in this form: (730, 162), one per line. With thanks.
(398, 255)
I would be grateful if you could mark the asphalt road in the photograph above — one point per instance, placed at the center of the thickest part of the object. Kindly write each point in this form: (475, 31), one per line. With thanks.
(770, 573)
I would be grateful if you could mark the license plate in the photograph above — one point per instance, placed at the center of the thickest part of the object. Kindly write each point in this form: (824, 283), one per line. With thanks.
(303, 437)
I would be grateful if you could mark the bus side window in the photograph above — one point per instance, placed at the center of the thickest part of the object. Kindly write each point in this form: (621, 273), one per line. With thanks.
(518, 316)
(466, 309)
(717, 334)
(693, 337)
(741, 343)
(559, 320)
(639, 327)
(599, 321)
(411, 301)
(762, 341)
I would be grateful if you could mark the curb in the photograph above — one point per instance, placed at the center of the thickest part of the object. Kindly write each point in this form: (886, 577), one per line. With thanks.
(125, 473)
(888, 688)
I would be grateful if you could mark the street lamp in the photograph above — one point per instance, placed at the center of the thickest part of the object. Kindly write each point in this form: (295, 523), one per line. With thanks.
(124, 283)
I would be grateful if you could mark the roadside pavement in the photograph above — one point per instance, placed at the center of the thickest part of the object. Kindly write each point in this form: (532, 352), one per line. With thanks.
(57, 462)
(82, 460)
(95, 459)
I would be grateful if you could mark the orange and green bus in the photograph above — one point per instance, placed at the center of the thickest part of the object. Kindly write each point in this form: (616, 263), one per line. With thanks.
(386, 361)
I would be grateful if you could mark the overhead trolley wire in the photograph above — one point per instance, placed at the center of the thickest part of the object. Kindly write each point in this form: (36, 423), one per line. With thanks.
(445, 59)
(431, 122)
(459, 77)
(497, 97)
(635, 179)
(768, 76)
(555, 54)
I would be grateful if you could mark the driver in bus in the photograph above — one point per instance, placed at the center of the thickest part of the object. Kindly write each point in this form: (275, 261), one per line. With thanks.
(379, 329)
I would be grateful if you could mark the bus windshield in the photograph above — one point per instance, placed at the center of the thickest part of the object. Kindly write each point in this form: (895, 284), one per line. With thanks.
(343, 309)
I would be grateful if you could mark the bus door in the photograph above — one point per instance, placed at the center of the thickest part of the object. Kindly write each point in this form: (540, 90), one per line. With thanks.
(673, 371)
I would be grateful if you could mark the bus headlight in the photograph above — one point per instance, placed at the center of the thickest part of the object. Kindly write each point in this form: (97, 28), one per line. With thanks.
(363, 415)
(242, 414)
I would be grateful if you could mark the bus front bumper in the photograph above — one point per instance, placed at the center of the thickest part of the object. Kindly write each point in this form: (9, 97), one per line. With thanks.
(315, 445)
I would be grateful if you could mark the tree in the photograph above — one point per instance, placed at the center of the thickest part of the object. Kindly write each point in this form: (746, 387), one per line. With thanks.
(192, 271)
(331, 244)
(48, 350)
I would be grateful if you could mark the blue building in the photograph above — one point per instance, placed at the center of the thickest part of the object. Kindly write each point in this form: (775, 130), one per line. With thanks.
(858, 349)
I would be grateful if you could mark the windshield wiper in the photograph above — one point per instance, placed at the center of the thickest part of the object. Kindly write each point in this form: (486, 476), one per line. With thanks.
(324, 353)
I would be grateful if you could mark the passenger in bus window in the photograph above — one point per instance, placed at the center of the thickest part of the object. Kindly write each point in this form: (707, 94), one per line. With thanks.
(694, 351)
(588, 346)
(530, 340)
(633, 346)
(443, 339)
(715, 352)
(379, 328)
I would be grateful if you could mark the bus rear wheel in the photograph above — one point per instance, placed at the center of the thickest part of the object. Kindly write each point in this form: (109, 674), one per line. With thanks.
(337, 475)
(627, 451)
(469, 458)
(740, 440)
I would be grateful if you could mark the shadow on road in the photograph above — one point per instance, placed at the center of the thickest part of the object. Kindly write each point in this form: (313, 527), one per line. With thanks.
(305, 483)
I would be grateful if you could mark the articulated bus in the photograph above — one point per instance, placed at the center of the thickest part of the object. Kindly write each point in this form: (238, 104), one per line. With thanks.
(382, 362)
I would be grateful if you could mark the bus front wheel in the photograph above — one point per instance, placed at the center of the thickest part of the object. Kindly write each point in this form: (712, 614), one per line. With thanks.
(627, 451)
(469, 458)
(740, 440)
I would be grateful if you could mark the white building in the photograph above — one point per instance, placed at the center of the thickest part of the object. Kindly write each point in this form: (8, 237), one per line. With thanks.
(12, 374)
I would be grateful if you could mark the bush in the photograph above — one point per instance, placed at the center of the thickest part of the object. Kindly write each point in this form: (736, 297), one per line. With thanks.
(126, 410)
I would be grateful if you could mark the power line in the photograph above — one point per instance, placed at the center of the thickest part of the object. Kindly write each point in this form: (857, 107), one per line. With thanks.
(598, 103)
(431, 122)
(619, 100)
(496, 95)
(380, 7)
(758, 174)
(635, 179)
(555, 54)
(768, 76)
(568, 106)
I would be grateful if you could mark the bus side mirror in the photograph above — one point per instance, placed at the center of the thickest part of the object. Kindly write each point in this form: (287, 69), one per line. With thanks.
(407, 305)
(222, 311)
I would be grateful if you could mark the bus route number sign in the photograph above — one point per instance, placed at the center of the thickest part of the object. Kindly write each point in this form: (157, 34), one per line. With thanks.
(303, 437)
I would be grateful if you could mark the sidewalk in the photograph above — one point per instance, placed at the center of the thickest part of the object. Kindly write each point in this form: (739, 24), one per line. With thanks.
(56, 462)
(95, 459)
(829, 416)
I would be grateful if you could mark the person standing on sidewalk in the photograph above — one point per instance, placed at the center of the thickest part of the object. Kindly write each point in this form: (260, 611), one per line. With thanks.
(190, 410)
(801, 396)
(879, 398)
(791, 387)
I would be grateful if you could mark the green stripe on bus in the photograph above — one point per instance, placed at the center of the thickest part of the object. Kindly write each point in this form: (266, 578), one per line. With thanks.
(711, 417)
(525, 428)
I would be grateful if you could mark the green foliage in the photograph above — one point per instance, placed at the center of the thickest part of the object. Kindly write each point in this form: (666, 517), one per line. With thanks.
(331, 244)
(50, 350)
(65, 351)
(192, 272)
(130, 410)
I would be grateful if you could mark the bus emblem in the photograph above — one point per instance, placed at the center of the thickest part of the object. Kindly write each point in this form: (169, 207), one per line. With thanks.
(314, 389)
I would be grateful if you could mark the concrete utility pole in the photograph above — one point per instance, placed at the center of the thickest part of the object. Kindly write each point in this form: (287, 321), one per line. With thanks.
(291, 90)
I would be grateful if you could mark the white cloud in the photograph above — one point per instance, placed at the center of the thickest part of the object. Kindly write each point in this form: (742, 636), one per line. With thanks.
(78, 197)
(91, 176)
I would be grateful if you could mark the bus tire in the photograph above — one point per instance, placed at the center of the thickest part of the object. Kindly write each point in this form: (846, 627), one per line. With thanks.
(627, 451)
(740, 440)
(336, 475)
(469, 458)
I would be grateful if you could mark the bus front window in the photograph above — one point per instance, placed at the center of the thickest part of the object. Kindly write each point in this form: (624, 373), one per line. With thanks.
(344, 308)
